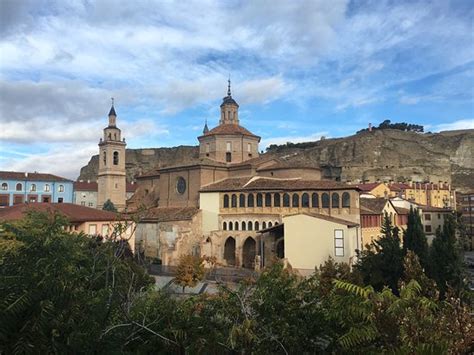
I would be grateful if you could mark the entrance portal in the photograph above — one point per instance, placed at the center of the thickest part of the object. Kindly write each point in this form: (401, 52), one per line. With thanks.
(248, 253)
(229, 251)
(280, 249)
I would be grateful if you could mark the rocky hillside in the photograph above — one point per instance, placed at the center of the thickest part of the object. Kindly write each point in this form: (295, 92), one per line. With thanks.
(381, 154)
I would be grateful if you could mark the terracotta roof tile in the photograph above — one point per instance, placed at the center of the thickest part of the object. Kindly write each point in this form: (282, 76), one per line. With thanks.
(75, 213)
(15, 175)
(375, 205)
(368, 187)
(230, 129)
(92, 186)
(167, 214)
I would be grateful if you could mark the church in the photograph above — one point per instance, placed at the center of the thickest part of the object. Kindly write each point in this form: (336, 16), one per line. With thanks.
(233, 204)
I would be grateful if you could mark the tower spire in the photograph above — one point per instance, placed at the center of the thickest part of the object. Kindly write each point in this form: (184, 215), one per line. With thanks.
(228, 87)
(206, 128)
(112, 109)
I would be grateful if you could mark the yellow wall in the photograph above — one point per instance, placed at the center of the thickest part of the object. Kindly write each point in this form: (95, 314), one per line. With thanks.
(309, 241)
(380, 191)
(209, 204)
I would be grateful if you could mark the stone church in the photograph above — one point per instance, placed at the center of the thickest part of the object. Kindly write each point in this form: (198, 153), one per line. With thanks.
(244, 209)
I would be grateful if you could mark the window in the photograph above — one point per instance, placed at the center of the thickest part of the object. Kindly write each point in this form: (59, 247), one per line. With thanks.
(439, 215)
(60, 200)
(250, 227)
(427, 217)
(428, 229)
(346, 200)
(244, 226)
(33, 187)
(47, 188)
(231, 226)
(229, 147)
(92, 229)
(83, 203)
(61, 188)
(234, 201)
(325, 200)
(268, 200)
(32, 199)
(295, 200)
(314, 200)
(224, 226)
(264, 225)
(46, 199)
(236, 224)
(91, 204)
(4, 200)
(19, 187)
(181, 185)
(305, 200)
(335, 200)
(270, 224)
(250, 200)
(226, 201)
(338, 242)
(286, 200)
(242, 200)
(105, 229)
(276, 200)
(4, 186)
(259, 200)
(17, 200)
(105, 158)
(228, 157)
(257, 226)
(116, 158)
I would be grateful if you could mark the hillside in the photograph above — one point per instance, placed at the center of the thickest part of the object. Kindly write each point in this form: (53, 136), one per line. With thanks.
(381, 154)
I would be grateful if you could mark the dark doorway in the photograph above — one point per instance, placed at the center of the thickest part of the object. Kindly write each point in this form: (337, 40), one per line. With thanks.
(248, 253)
(229, 251)
(280, 249)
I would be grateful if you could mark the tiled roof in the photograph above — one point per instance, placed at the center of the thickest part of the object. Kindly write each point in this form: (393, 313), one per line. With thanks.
(230, 129)
(75, 213)
(368, 187)
(167, 214)
(92, 186)
(375, 205)
(261, 183)
(426, 208)
(289, 164)
(15, 175)
(401, 210)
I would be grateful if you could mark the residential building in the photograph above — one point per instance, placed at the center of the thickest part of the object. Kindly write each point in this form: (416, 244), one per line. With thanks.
(86, 192)
(466, 208)
(23, 187)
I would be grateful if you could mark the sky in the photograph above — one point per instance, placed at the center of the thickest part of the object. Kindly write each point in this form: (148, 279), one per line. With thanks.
(299, 70)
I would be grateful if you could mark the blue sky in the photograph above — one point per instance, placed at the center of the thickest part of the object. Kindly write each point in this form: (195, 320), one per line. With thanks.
(299, 69)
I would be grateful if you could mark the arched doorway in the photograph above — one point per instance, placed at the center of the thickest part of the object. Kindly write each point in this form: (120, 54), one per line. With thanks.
(248, 253)
(229, 251)
(280, 249)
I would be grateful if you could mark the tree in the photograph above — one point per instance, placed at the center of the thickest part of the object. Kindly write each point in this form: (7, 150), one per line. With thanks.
(109, 206)
(190, 271)
(414, 237)
(445, 258)
(381, 264)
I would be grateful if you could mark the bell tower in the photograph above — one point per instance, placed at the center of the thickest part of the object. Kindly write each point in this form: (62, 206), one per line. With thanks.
(112, 176)
(229, 109)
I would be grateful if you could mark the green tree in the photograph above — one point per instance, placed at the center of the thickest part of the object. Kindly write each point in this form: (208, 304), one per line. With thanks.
(414, 237)
(381, 264)
(445, 258)
(109, 206)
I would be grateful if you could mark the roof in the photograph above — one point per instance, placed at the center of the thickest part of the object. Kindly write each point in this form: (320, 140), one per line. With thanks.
(75, 213)
(167, 214)
(230, 128)
(112, 111)
(16, 175)
(426, 208)
(401, 210)
(289, 164)
(262, 183)
(229, 100)
(368, 187)
(93, 186)
(372, 205)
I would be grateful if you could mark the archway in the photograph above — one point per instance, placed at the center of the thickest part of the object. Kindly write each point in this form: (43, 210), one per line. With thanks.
(248, 253)
(280, 249)
(229, 251)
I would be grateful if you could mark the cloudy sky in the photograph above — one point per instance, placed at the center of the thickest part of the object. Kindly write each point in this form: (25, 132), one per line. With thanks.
(299, 69)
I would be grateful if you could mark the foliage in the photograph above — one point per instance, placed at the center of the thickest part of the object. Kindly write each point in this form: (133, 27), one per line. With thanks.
(190, 271)
(403, 126)
(381, 264)
(109, 206)
(414, 237)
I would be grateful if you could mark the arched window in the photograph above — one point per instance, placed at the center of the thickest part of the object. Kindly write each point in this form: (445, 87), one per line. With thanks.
(250, 226)
(250, 200)
(226, 201)
(335, 200)
(242, 200)
(231, 226)
(19, 187)
(244, 226)
(259, 200)
(315, 200)
(234, 201)
(4, 186)
(325, 200)
(268, 200)
(305, 200)
(264, 225)
(61, 188)
(116, 158)
(236, 224)
(270, 224)
(46, 188)
(105, 158)
(286, 200)
(276, 223)
(276, 200)
(224, 226)
(33, 187)
(257, 226)
(295, 200)
(346, 200)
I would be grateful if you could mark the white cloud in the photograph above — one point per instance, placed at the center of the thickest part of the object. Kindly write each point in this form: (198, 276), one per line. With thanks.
(459, 124)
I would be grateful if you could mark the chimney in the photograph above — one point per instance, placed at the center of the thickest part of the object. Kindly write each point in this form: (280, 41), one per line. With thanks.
(88, 181)
(370, 127)
(26, 175)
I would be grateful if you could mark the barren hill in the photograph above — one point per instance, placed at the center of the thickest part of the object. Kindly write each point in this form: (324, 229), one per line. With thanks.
(381, 154)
